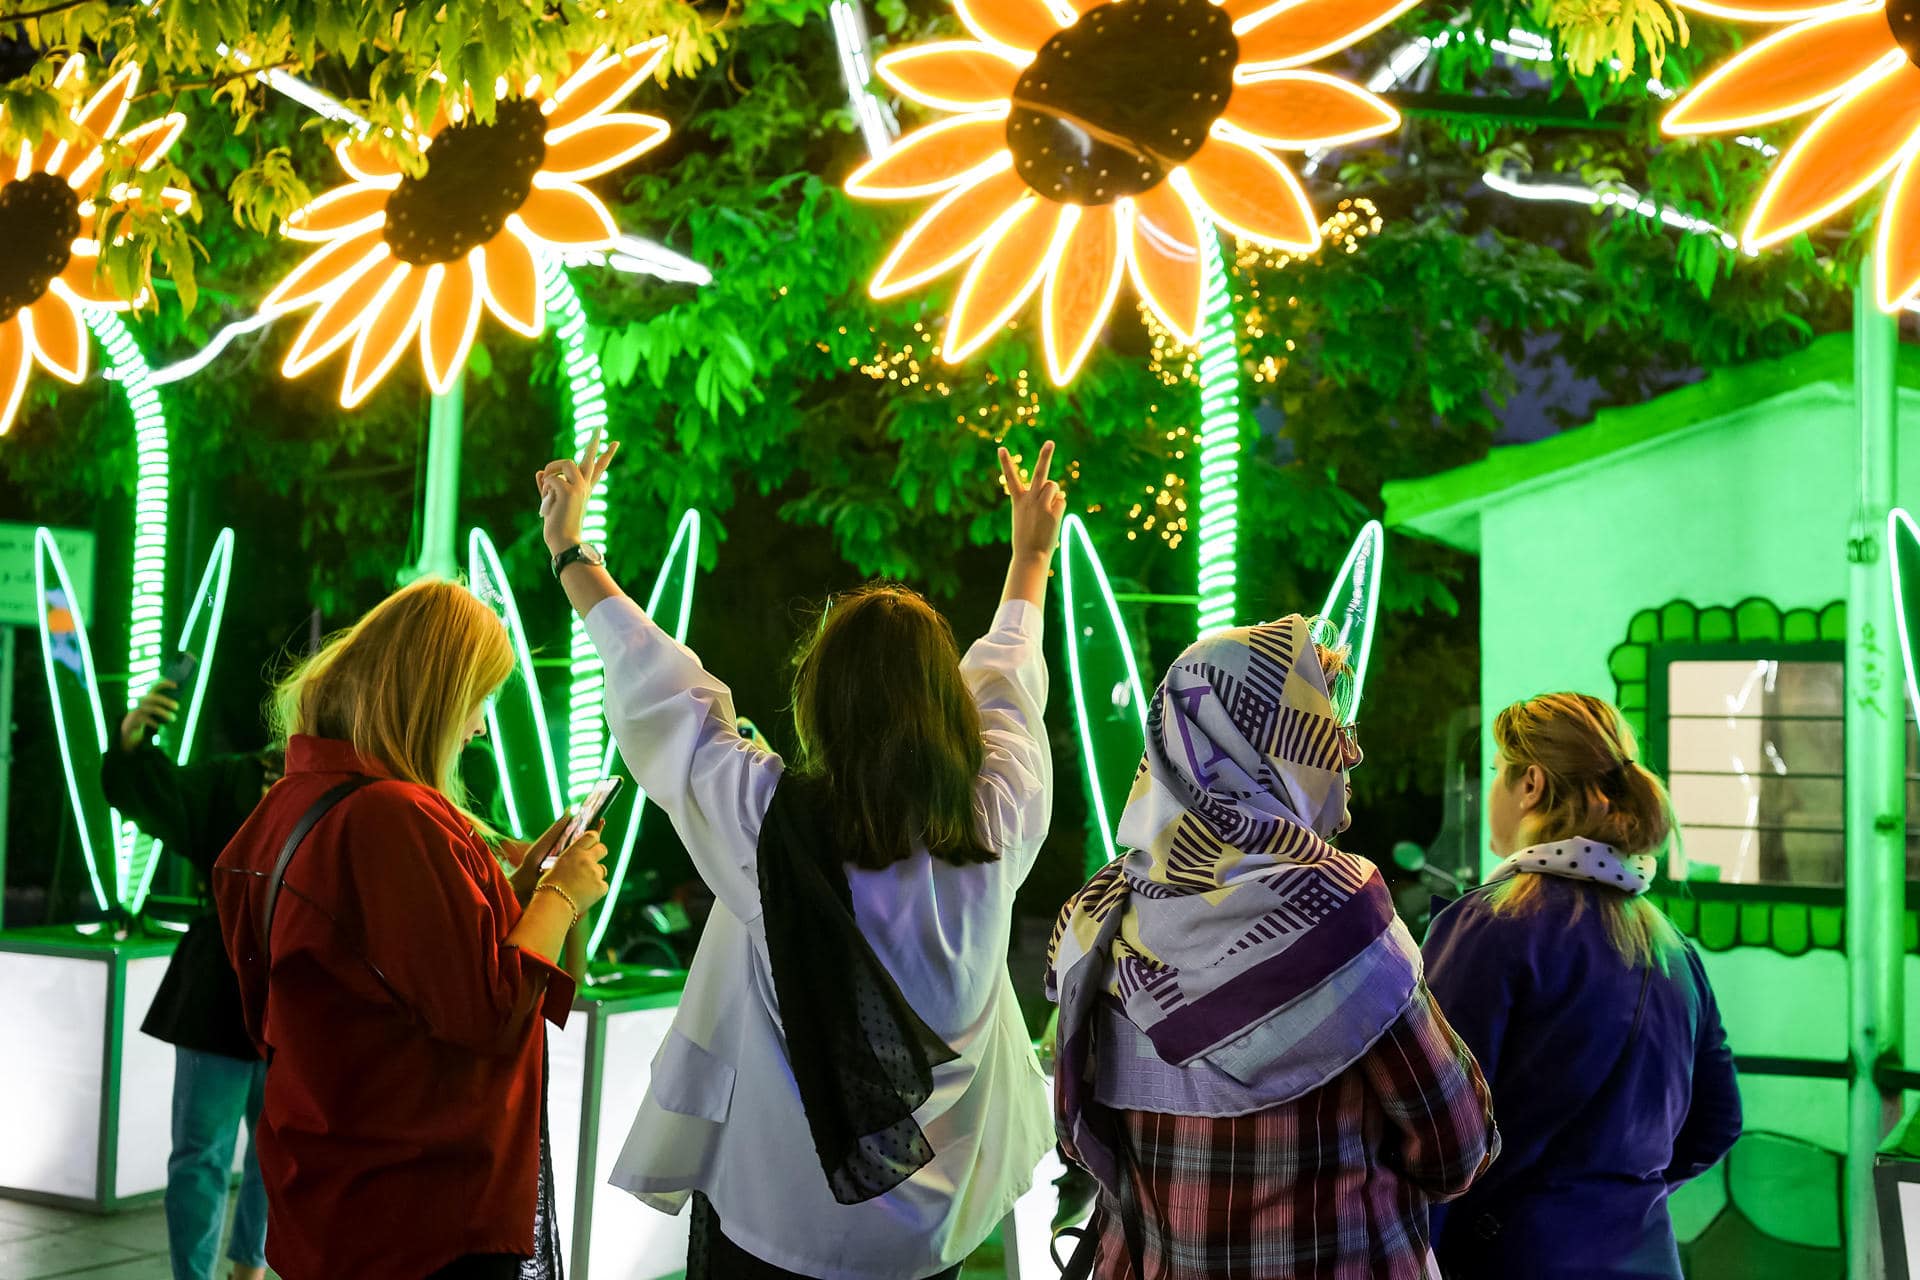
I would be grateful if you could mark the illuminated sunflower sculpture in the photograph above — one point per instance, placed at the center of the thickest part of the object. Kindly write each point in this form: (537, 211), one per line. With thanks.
(406, 257)
(49, 269)
(1858, 67)
(1094, 145)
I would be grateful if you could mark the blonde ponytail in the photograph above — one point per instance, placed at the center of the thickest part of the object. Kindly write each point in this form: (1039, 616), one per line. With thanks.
(1594, 787)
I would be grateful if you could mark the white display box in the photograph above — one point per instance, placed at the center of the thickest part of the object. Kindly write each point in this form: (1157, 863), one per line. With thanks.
(91, 1118)
(599, 1068)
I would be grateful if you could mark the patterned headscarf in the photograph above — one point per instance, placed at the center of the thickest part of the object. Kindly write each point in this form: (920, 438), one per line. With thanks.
(1231, 930)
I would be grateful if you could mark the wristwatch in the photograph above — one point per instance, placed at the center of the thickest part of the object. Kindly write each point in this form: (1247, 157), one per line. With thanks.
(579, 553)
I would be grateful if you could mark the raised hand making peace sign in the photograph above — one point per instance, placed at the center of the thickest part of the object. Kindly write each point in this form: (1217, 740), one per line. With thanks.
(1038, 504)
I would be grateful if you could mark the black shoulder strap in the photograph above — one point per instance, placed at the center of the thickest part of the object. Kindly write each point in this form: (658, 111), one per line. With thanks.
(295, 838)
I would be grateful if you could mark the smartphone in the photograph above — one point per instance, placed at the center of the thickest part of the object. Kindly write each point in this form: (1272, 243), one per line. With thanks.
(589, 812)
(181, 673)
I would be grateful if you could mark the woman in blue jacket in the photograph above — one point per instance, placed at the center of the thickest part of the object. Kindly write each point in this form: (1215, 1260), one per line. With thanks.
(1590, 1015)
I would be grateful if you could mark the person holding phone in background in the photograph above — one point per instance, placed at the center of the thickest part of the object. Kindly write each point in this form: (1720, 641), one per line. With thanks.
(390, 969)
(193, 810)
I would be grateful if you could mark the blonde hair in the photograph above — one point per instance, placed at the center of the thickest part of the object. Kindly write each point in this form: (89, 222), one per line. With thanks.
(1594, 787)
(401, 684)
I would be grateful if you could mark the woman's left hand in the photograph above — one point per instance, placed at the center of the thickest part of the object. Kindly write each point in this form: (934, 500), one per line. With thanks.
(565, 485)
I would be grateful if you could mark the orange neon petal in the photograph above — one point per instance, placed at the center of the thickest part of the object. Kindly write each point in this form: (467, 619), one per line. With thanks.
(15, 361)
(1306, 110)
(1897, 256)
(1291, 33)
(104, 112)
(1251, 193)
(948, 233)
(342, 211)
(1768, 10)
(452, 317)
(561, 213)
(600, 144)
(1021, 25)
(1019, 252)
(326, 270)
(59, 337)
(932, 159)
(1163, 257)
(1081, 288)
(88, 284)
(601, 83)
(1847, 149)
(952, 75)
(339, 317)
(151, 141)
(1791, 72)
(386, 336)
(367, 163)
(510, 282)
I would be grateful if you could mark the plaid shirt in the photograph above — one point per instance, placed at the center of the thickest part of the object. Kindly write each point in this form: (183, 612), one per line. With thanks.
(1331, 1186)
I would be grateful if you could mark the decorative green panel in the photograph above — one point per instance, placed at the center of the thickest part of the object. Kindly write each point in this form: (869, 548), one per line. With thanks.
(1677, 621)
(1791, 933)
(1756, 924)
(1757, 620)
(1830, 929)
(1645, 627)
(1802, 626)
(1719, 925)
(1628, 663)
(1716, 625)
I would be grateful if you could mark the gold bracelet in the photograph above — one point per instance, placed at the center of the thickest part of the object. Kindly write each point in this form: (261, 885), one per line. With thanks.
(564, 897)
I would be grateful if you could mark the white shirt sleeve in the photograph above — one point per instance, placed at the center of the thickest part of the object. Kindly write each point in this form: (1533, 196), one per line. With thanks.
(1013, 798)
(675, 725)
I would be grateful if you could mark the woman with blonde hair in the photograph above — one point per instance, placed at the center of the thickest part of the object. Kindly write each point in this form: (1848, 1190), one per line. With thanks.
(390, 972)
(1590, 1014)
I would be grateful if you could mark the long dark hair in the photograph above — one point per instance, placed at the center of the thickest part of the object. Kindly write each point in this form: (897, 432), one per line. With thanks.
(889, 730)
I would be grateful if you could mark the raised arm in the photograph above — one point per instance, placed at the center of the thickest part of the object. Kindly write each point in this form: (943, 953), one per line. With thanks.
(675, 722)
(1007, 674)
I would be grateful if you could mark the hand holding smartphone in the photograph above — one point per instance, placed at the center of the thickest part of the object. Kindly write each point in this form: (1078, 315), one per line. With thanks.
(590, 811)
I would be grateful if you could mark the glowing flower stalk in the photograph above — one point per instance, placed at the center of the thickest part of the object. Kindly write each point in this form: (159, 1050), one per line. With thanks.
(1093, 146)
(50, 191)
(587, 396)
(1856, 69)
(416, 258)
(1219, 525)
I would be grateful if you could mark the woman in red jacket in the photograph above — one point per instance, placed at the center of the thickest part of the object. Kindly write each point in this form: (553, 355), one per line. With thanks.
(391, 972)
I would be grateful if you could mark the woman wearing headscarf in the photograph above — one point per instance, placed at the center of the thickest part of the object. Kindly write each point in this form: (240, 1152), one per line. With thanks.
(1249, 1061)
(1591, 1014)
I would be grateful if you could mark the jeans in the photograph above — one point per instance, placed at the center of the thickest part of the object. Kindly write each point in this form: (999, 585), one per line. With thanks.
(211, 1095)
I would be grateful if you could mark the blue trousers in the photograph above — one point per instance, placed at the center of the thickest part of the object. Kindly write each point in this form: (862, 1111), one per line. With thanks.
(212, 1093)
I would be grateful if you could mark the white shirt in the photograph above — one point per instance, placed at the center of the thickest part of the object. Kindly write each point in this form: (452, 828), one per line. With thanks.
(722, 1114)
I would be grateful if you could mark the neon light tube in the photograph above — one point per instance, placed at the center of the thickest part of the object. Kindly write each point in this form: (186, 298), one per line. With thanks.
(49, 565)
(1219, 521)
(1352, 605)
(1090, 607)
(489, 582)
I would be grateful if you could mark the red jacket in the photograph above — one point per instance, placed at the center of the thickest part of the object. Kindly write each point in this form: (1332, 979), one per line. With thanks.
(401, 1126)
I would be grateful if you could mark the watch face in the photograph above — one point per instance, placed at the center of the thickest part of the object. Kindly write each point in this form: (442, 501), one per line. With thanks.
(592, 554)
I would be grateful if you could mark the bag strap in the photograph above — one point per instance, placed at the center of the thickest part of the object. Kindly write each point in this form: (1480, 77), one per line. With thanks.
(295, 838)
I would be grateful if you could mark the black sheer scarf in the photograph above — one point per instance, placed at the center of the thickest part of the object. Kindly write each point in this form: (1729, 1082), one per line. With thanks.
(863, 1059)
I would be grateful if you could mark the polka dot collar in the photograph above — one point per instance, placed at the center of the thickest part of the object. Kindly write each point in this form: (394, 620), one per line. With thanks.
(1583, 859)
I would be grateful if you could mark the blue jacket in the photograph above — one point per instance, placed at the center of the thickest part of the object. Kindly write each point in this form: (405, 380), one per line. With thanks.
(1610, 1085)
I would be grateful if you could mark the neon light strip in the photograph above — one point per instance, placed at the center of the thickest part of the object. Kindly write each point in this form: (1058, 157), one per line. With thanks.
(686, 544)
(210, 599)
(1567, 193)
(47, 556)
(1219, 518)
(1898, 522)
(639, 256)
(204, 356)
(147, 608)
(850, 41)
(489, 582)
(1360, 575)
(1074, 538)
(587, 399)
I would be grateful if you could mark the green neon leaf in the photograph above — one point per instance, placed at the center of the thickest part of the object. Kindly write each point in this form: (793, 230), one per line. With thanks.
(517, 722)
(1100, 663)
(671, 605)
(1903, 540)
(77, 719)
(1352, 605)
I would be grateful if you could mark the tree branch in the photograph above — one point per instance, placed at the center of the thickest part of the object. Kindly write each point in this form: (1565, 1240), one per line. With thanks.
(61, 6)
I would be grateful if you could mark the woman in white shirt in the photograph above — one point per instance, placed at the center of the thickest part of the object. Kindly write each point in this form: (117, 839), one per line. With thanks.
(848, 1090)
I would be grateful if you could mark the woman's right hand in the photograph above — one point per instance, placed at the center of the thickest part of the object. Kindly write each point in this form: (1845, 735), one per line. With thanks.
(1039, 505)
(154, 710)
(581, 871)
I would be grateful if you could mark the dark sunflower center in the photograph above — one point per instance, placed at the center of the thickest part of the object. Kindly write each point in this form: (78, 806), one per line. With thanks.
(1111, 104)
(1903, 19)
(39, 217)
(477, 176)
